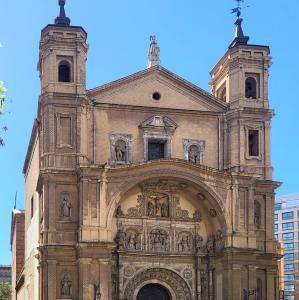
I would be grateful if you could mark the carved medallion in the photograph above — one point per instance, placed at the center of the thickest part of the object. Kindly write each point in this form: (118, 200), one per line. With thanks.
(187, 273)
(213, 213)
(129, 271)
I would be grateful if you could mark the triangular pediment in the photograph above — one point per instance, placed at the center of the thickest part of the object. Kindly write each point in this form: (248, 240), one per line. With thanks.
(157, 122)
(138, 90)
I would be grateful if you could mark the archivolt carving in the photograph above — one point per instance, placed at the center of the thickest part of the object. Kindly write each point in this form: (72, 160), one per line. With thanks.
(158, 199)
(177, 283)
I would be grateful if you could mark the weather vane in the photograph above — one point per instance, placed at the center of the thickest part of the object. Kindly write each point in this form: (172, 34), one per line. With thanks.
(237, 10)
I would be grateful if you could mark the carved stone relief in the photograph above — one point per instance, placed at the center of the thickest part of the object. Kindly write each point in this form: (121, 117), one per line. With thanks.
(185, 243)
(129, 239)
(120, 148)
(193, 150)
(213, 213)
(129, 271)
(66, 286)
(172, 279)
(159, 200)
(187, 273)
(159, 240)
(65, 206)
(257, 214)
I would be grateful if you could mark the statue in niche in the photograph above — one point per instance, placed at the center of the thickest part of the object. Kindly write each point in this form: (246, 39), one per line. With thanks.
(121, 239)
(150, 209)
(165, 209)
(184, 244)
(119, 212)
(97, 292)
(132, 241)
(210, 244)
(204, 285)
(199, 243)
(257, 214)
(66, 286)
(120, 151)
(219, 241)
(66, 207)
(158, 240)
(158, 206)
(194, 154)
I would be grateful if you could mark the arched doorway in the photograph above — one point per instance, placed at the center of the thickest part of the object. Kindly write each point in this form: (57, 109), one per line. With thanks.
(153, 292)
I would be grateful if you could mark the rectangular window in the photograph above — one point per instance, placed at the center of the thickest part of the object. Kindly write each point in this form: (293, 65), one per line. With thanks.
(289, 277)
(288, 226)
(278, 206)
(289, 287)
(276, 227)
(289, 297)
(276, 237)
(156, 150)
(289, 267)
(288, 236)
(276, 217)
(288, 246)
(253, 143)
(289, 256)
(288, 215)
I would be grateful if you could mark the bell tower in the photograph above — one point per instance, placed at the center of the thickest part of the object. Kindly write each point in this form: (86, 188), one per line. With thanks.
(62, 68)
(240, 79)
(62, 59)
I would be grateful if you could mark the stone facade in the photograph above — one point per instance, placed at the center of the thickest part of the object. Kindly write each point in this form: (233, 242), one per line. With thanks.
(149, 183)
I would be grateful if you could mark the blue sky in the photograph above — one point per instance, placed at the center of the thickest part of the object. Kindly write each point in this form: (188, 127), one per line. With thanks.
(192, 35)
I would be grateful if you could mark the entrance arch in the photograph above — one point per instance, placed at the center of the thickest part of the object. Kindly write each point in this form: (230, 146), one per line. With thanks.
(168, 280)
(153, 292)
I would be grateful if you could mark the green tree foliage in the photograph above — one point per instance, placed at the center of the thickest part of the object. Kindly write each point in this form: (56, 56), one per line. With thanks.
(5, 291)
(2, 97)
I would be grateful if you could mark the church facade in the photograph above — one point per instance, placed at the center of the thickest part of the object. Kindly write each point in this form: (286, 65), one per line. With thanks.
(149, 187)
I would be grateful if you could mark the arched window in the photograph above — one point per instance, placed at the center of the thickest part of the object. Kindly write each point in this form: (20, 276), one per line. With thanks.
(64, 72)
(250, 88)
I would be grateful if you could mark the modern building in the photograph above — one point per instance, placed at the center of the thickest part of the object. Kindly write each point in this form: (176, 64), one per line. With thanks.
(287, 232)
(149, 186)
(5, 274)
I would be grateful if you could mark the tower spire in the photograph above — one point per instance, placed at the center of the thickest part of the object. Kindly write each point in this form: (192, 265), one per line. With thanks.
(153, 53)
(62, 20)
(239, 38)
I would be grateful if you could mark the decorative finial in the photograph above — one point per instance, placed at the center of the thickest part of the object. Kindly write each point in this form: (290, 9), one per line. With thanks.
(153, 53)
(240, 38)
(62, 20)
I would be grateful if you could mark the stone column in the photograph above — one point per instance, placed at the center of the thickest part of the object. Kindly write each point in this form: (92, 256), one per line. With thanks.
(52, 280)
(84, 285)
(270, 282)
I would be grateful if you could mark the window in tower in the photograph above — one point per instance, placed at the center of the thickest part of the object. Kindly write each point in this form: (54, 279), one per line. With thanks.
(253, 143)
(64, 71)
(251, 88)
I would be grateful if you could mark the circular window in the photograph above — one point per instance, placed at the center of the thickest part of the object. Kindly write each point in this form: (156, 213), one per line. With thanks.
(156, 96)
